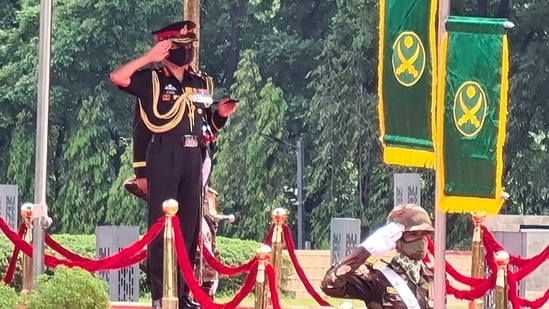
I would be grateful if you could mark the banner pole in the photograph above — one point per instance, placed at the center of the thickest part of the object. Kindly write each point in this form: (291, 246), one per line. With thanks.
(440, 217)
(40, 212)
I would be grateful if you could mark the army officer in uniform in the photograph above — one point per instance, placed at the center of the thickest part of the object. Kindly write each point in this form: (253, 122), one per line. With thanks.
(174, 105)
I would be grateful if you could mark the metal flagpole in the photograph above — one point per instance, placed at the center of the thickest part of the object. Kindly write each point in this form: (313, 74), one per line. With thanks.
(191, 11)
(440, 217)
(40, 211)
(300, 228)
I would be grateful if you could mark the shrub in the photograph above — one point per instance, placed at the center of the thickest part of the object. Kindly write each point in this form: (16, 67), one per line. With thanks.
(8, 297)
(236, 252)
(69, 288)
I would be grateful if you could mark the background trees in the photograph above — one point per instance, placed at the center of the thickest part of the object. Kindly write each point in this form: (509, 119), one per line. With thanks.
(300, 69)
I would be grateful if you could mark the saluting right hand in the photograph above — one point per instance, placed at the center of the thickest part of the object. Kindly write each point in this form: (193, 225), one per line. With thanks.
(383, 239)
(159, 51)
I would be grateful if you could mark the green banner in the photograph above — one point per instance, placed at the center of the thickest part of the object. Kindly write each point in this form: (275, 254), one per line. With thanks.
(406, 81)
(471, 119)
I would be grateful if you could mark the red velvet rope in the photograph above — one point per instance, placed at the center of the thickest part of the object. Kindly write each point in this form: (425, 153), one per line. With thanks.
(188, 273)
(300, 273)
(271, 276)
(124, 258)
(228, 270)
(526, 266)
(470, 281)
(512, 291)
(474, 293)
(480, 285)
(518, 302)
(8, 277)
(64, 252)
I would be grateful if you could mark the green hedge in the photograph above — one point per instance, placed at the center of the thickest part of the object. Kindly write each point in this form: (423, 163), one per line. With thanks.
(232, 252)
(68, 288)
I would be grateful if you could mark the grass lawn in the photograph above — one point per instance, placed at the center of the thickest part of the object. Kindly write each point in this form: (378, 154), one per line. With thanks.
(297, 302)
(306, 302)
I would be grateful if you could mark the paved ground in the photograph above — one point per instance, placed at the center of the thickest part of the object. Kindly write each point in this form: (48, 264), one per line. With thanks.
(145, 305)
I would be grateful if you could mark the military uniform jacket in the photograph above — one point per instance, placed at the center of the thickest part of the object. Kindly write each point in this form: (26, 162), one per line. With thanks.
(370, 285)
(161, 109)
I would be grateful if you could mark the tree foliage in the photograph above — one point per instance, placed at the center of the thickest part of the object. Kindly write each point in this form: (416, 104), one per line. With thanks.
(304, 69)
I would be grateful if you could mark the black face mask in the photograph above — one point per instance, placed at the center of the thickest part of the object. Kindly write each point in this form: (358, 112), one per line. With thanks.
(181, 56)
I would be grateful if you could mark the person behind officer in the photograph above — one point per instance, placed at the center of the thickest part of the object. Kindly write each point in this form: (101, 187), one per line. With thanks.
(355, 277)
(174, 105)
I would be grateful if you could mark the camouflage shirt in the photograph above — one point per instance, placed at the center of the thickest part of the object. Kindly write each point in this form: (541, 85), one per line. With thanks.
(370, 285)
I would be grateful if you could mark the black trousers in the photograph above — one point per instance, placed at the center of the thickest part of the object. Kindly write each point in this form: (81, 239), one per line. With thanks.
(173, 172)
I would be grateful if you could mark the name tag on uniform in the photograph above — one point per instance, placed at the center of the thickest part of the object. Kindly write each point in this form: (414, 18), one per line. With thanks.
(391, 290)
(201, 96)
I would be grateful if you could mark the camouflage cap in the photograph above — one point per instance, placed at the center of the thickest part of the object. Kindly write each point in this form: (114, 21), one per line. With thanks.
(411, 217)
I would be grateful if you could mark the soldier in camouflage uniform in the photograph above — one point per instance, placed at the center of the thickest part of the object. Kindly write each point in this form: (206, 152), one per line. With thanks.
(355, 277)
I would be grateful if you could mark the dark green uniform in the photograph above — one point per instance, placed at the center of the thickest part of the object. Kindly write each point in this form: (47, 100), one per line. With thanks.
(174, 116)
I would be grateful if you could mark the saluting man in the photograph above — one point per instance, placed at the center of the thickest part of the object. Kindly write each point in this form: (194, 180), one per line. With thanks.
(405, 282)
(175, 106)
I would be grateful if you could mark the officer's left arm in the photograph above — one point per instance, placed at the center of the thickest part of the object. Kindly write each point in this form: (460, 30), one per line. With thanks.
(215, 120)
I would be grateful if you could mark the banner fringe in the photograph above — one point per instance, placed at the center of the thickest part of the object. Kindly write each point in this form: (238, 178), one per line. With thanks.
(470, 205)
(409, 157)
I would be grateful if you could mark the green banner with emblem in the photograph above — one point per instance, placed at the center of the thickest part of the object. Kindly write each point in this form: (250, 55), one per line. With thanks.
(407, 81)
(471, 117)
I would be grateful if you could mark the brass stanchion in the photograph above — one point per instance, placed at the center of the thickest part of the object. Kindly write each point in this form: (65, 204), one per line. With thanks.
(502, 260)
(169, 278)
(279, 216)
(263, 254)
(26, 213)
(477, 261)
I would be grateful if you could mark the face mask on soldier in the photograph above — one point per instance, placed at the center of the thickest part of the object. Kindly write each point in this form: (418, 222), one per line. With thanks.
(181, 56)
(415, 249)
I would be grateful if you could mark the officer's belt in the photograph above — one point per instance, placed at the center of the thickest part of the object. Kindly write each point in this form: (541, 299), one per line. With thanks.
(189, 141)
(403, 290)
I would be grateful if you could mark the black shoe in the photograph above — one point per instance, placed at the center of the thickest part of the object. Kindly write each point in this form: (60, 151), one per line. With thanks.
(157, 304)
(185, 302)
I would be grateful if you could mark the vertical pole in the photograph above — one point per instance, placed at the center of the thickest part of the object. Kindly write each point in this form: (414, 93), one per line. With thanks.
(502, 261)
(41, 138)
(299, 194)
(169, 275)
(440, 217)
(263, 254)
(26, 213)
(279, 216)
(477, 261)
(191, 11)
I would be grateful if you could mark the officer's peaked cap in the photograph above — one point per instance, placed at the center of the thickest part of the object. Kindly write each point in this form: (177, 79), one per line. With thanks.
(181, 32)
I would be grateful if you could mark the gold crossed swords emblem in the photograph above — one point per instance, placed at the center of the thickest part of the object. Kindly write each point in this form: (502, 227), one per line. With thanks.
(407, 64)
(470, 114)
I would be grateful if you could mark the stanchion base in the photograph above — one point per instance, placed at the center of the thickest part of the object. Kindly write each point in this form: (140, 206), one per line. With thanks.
(476, 304)
(170, 303)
